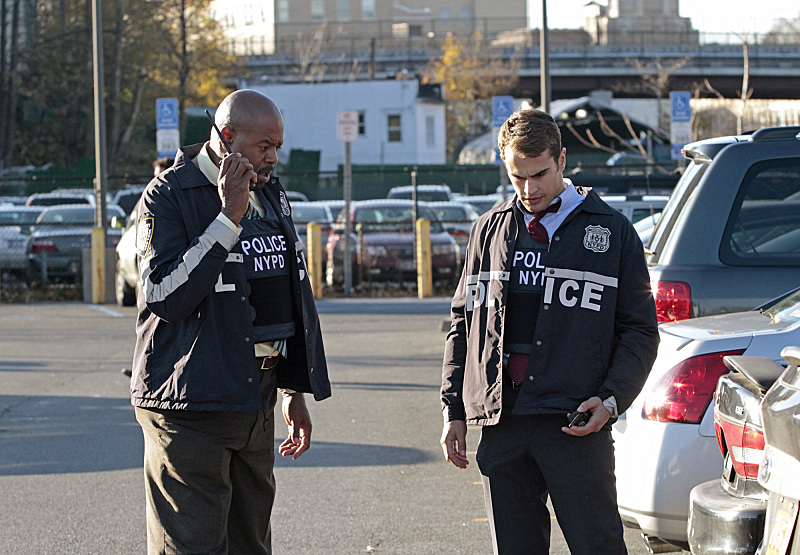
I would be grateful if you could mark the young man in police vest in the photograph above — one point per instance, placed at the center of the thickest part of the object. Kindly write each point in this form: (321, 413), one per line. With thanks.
(553, 316)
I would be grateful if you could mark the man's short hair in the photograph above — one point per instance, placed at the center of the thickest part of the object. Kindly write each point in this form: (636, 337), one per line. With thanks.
(529, 133)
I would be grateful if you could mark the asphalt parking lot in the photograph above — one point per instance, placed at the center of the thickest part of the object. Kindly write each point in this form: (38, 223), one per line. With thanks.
(373, 482)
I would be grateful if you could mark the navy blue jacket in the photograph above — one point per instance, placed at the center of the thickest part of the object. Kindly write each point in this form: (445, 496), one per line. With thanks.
(596, 332)
(194, 346)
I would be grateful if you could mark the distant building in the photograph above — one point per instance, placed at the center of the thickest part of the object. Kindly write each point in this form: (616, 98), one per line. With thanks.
(301, 27)
(634, 22)
(400, 122)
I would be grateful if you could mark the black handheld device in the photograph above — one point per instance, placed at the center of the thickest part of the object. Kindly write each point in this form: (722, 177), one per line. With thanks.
(253, 186)
(579, 418)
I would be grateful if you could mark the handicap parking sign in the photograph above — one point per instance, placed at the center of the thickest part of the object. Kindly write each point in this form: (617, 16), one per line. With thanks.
(166, 113)
(502, 107)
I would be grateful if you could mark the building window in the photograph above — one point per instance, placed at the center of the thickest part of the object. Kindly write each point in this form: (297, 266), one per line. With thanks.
(445, 13)
(317, 9)
(395, 128)
(430, 131)
(465, 13)
(362, 125)
(343, 10)
(367, 9)
(283, 11)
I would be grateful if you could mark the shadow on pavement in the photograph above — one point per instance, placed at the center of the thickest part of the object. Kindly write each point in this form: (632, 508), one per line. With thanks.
(61, 435)
(334, 454)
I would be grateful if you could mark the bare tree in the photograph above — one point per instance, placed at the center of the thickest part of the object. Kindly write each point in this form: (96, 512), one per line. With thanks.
(656, 76)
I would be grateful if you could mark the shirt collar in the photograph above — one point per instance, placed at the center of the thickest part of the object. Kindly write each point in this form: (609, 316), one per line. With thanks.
(570, 198)
(207, 165)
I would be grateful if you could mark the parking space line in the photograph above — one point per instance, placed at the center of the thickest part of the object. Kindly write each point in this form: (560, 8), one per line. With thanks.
(112, 313)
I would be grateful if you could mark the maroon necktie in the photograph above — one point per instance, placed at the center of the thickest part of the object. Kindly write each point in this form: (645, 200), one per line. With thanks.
(535, 227)
(518, 367)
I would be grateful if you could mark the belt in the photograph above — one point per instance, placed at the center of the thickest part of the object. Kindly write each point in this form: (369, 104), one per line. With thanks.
(268, 363)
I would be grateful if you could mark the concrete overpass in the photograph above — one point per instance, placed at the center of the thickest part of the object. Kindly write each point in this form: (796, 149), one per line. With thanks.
(774, 70)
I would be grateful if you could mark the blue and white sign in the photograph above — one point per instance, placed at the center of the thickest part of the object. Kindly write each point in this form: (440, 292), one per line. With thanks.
(502, 107)
(681, 108)
(166, 113)
(167, 133)
(680, 122)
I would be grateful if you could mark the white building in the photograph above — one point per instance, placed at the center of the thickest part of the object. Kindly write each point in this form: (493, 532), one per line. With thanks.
(400, 122)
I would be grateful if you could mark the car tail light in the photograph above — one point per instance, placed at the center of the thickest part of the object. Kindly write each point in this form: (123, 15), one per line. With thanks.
(684, 392)
(458, 233)
(44, 246)
(673, 300)
(745, 443)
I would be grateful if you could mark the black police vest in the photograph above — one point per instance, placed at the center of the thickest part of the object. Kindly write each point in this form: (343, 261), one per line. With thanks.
(269, 286)
(525, 290)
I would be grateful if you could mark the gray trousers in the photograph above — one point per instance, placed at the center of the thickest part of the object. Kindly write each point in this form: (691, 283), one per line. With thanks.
(525, 459)
(208, 478)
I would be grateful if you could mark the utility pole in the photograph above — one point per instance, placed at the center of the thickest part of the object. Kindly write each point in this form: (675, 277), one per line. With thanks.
(99, 231)
(544, 61)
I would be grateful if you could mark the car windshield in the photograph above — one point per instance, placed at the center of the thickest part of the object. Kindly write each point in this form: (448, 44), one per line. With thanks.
(18, 217)
(392, 218)
(306, 213)
(76, 216)
(786, 309)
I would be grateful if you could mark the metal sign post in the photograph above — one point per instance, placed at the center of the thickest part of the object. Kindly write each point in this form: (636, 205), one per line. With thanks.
(347, 132)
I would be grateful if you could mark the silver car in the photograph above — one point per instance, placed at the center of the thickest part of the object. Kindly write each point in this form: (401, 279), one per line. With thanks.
(666, 443)
(57, 239)
(15, 223)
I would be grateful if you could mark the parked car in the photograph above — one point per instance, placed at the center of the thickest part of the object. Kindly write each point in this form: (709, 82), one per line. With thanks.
(385, 228)
(15, 223)
(126, 281)
(727, 515)
(63, 196)
(637, 207)
(457, 218)
(57, 239)
(780, 468)
(335, 206)
(666, 443)
(729, 237)
(296, 196)
(305, 212)
(482, 203)
(425, 193)
(128, 197)
(644, 227)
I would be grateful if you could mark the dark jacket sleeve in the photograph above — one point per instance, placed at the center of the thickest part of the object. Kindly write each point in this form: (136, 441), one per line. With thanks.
(178, 270)
(635, 326)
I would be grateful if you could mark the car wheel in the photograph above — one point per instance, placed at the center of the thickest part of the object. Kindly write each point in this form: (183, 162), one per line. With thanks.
(126, 295)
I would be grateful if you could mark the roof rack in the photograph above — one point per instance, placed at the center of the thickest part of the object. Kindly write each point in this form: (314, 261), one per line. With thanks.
(777, 133)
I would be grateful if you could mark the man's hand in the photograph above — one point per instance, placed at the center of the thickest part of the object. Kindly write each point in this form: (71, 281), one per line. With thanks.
(600, 416)
(233, 185)
(454, 442)
(298, 420)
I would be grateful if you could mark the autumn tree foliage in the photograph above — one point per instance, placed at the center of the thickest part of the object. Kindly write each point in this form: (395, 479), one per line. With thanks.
(152, 49)
(471, 73)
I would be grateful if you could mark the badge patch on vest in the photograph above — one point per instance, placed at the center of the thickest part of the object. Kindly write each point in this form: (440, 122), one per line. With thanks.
(144, 233)
(597, 238)
(285, 205)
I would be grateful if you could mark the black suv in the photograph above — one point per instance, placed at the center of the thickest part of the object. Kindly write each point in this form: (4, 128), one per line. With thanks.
(729, 238)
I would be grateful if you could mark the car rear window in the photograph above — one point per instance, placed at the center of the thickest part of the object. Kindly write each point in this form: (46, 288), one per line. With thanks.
(764, 227)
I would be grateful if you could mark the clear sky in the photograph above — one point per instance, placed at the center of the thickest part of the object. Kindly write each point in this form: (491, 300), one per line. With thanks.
(706, 15)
